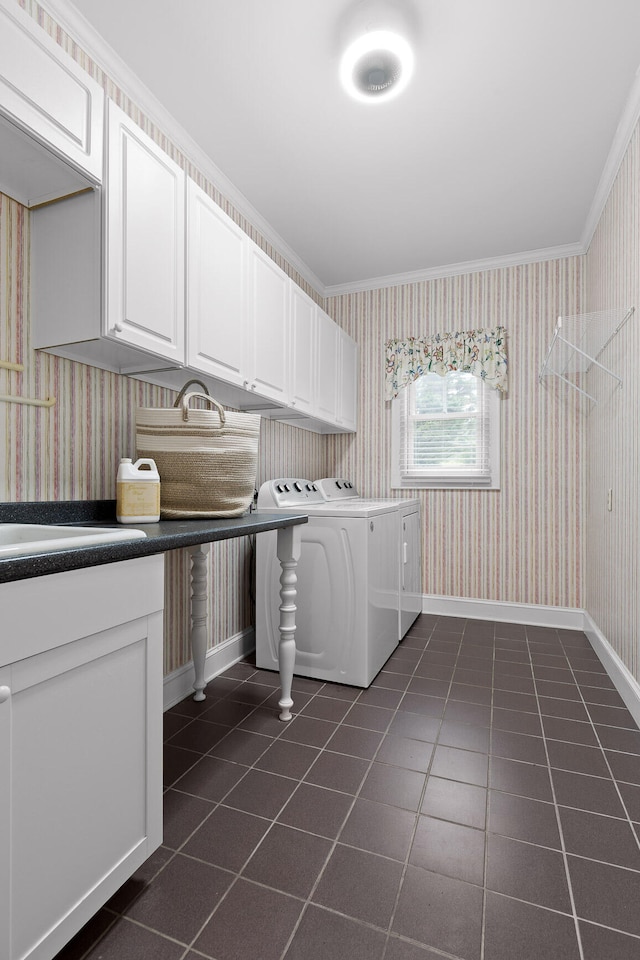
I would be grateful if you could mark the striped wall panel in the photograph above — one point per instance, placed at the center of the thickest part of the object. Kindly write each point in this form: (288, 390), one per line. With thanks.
(612, 441)
(520, 544)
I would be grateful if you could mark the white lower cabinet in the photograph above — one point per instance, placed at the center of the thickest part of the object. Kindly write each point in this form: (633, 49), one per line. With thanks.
(80, 745)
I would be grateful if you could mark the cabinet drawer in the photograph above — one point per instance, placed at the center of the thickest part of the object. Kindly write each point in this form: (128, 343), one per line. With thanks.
(46, 612)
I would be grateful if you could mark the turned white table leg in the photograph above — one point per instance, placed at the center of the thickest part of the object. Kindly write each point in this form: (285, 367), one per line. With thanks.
(199, 605)
(288, 555)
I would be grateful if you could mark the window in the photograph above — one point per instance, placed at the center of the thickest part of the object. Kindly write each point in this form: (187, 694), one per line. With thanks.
(446, 433)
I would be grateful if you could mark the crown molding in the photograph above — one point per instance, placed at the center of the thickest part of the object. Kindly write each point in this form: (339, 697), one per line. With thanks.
(92, 43)
(624, 131)
(83, 33)
(457, 269)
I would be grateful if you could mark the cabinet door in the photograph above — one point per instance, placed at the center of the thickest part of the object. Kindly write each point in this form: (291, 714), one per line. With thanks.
(44, 91)
(215, 289)
(327, 365)
(80, 792)
(302, 344)
(145, 242)
(348, 382)
(267, 331)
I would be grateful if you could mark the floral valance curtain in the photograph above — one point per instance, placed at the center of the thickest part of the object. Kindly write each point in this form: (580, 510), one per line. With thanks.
(480, 352)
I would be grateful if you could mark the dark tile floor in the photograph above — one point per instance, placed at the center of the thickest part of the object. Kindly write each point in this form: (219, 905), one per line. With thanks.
(481, 800)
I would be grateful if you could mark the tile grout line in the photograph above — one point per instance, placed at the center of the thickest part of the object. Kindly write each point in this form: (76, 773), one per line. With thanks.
(405, 863)
(411, 676)
(237, 874)
(485, 864)
(424, 788)
(614, 779)
(558, 818)
(308, 900)
(336, 840)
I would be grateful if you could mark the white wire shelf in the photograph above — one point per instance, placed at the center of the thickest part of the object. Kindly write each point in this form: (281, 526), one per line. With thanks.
(577, 344)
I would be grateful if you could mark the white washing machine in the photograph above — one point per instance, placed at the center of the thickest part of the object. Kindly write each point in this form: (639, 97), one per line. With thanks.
(348, 584)
(337, 489)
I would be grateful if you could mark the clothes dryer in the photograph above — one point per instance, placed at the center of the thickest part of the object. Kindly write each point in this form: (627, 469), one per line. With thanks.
(348, 585)
(340, 489)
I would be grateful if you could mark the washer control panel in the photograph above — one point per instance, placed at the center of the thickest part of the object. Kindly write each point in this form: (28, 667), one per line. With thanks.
(336, 488)
(288, 493)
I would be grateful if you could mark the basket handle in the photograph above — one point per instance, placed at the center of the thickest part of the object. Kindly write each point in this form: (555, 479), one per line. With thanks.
(184, 390)
(202, 396)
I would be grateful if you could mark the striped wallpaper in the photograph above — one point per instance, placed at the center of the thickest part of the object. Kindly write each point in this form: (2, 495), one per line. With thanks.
(528, 542)
(612, 443)
(520, 544)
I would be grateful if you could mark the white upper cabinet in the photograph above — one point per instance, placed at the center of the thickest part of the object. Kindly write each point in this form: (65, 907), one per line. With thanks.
(347, 412)
(267, 328)
(145, 241)
(302, 374)
(44, 93)
(216, 255)
(145, 275)
(237, 306)
(328, 359)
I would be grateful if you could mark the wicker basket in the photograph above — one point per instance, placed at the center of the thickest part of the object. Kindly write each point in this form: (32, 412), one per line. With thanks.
(207, 459)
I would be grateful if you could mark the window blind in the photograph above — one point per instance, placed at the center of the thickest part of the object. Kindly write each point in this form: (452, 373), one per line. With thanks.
(445, 430)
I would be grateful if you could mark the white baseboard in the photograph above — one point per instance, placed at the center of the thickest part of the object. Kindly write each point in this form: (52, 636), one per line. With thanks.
(179, 684)
(567, 618)
(624, 681)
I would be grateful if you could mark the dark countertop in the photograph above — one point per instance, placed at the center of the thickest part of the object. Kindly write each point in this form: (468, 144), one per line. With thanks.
(162, 536)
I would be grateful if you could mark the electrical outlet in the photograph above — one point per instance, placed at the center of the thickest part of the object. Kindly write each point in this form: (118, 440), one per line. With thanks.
(609, 499)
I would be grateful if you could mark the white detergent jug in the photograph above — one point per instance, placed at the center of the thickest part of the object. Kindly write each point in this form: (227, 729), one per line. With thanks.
(137, 491)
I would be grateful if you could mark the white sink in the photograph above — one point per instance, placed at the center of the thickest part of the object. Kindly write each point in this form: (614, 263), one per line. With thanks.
(18, 539)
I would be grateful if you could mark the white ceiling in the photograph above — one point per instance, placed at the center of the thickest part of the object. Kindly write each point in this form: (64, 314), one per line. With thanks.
(496, 149)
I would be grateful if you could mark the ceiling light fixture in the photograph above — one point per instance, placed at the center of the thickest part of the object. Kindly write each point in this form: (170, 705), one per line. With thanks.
(376, 66)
